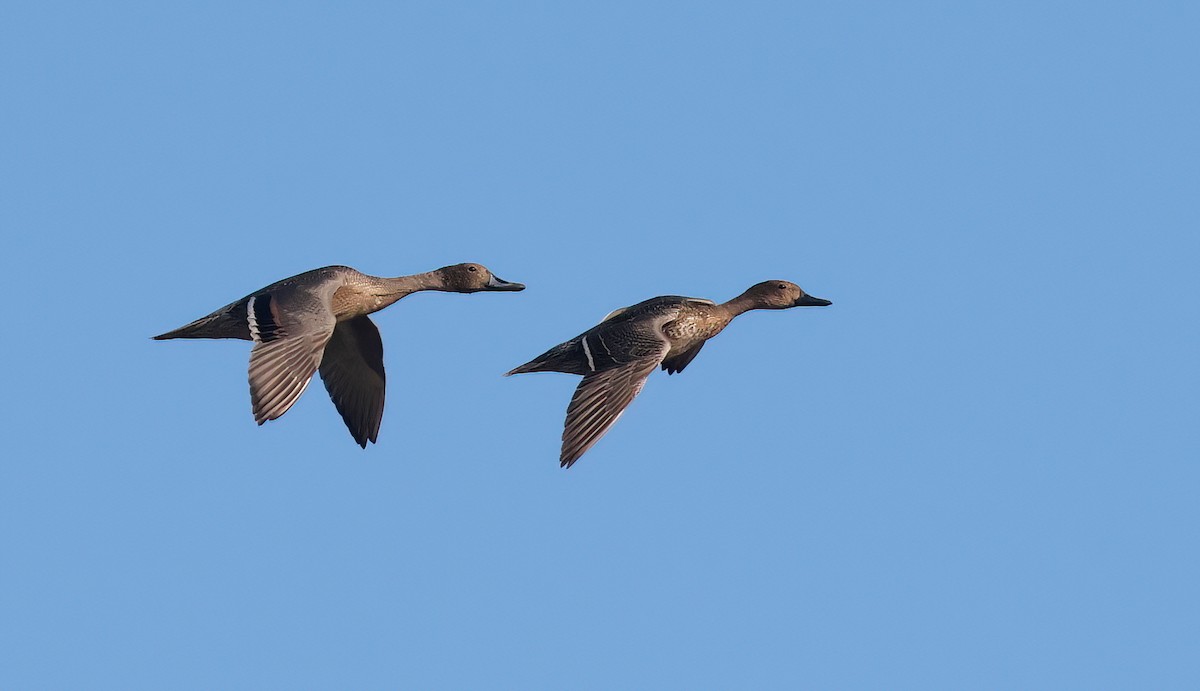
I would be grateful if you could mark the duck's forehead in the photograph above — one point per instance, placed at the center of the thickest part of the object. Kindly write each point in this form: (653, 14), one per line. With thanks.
(777, 285)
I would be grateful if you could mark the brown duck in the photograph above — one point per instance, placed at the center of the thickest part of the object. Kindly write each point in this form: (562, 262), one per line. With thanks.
(318, 321)
(616, 356)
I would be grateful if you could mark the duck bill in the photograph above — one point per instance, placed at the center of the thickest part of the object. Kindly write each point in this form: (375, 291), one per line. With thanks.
(497, 283)
(810, 301)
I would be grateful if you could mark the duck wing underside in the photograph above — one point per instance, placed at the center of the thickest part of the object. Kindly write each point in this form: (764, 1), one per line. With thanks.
(598, 402)
(352, 370)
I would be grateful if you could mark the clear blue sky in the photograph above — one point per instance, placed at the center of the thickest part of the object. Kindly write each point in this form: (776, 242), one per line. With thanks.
(977, 470)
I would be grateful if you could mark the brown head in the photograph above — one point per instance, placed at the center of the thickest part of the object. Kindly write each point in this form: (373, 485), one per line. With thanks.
(472, 278)
(779, 295)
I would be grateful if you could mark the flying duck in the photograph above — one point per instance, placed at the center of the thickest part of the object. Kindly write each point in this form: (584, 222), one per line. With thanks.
(317, 321)
(617, 355)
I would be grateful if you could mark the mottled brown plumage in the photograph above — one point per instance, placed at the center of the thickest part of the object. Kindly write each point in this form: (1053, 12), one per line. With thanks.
(617, 355)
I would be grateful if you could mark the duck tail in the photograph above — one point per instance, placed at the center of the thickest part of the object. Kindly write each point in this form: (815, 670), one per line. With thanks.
(216, 325)
(565, 357)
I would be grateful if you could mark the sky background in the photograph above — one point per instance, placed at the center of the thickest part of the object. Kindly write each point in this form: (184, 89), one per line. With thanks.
(978, 469)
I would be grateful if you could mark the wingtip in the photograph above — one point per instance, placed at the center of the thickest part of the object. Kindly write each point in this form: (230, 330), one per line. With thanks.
(363, 438)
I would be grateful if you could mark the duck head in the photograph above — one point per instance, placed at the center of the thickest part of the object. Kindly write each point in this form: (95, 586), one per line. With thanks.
(780, 295)
(472, 278)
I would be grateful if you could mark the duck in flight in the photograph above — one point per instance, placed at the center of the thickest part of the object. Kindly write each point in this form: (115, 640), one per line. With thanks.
(617, 355)
(317, 321)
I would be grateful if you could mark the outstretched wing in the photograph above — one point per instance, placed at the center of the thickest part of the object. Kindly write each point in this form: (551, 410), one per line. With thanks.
(352, 369)
(598, 402)
(288, 343)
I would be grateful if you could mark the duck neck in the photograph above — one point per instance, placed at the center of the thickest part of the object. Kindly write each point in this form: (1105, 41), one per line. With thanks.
(389, 290)
(738, 305)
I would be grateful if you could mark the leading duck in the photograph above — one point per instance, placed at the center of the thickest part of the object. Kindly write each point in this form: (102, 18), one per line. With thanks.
(616, 356)
(318, 320)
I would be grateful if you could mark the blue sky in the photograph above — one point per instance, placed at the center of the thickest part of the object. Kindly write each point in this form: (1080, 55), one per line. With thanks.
(977, 469)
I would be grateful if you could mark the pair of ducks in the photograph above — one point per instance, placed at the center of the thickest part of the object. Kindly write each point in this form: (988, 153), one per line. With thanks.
(317, 321)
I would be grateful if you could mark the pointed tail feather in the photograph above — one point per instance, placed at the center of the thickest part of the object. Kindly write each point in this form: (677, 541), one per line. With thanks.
(216, 325)
(565, 357)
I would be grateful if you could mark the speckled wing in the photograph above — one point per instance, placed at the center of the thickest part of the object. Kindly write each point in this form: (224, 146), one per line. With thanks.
(621, 354)
(289, 334)
(352, 369)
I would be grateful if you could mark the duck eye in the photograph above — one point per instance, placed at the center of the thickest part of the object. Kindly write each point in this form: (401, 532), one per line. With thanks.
(782, 286)
(472, 269)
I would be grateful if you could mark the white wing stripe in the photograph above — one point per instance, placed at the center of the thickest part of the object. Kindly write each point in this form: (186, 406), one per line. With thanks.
(252, 321)
(588, 352)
